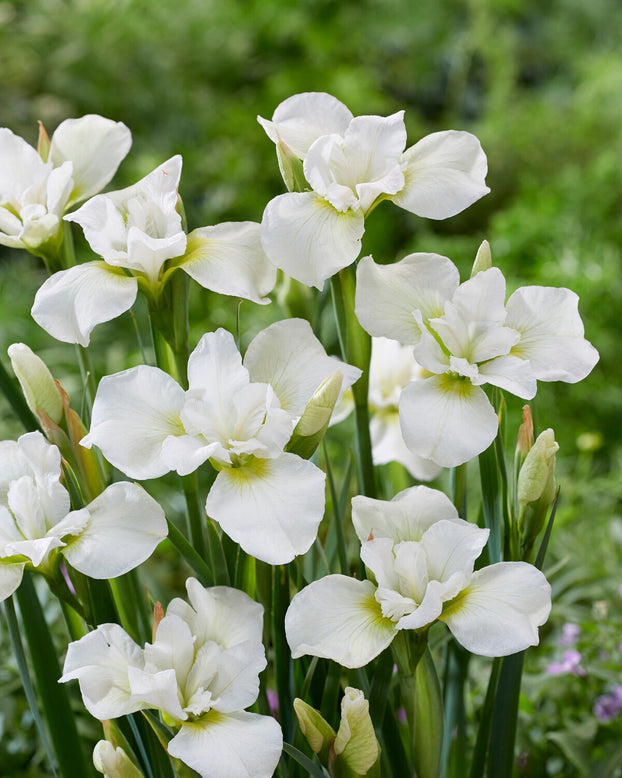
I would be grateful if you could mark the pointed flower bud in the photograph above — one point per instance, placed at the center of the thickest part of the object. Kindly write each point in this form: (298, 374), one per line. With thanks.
(291, 168)
(315, 728)
(536, 486)
(43, 145)
(483, 259)
(355, 745)
(313, 423)
(38, 384)
(114, 762)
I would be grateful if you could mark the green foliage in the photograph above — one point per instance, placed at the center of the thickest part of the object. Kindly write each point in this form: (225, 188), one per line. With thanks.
(541, 90)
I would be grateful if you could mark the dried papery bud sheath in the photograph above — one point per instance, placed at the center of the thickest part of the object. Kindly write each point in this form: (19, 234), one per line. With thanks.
(355, 749)
(524, 441)
(483, 259)
(536, 487)
(315, 728)
(37, 383)
(313, 423)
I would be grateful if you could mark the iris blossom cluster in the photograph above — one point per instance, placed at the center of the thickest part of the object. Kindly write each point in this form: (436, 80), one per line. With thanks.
(465, 336)
(420, 556)
(350, 164)
(201, 671)
(240, 416)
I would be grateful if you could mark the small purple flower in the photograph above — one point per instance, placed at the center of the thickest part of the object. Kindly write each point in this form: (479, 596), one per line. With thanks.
(570, 634)
(569, 664)
(608, 706)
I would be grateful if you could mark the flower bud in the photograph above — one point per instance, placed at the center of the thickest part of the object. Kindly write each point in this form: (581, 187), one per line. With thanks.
(315, 418)
(315, 728)
(536, 486)
(38, 384)
(483, 259)
(355, 745)
(114, 762)
(291, 168)
(43, 144)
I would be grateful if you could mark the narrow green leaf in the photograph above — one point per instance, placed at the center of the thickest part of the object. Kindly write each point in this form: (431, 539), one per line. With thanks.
(196, 563)
(547, 533)
(338, 502)
(480, 751)
(491, 502)
(217, 555)
(317, 771)
(282, 658)
(22, 666)
(54, 699)
(505, 717)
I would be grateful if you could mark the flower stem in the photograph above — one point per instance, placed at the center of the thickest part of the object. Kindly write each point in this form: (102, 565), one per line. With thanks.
(421, 695)
(196, 513)
(355, 346)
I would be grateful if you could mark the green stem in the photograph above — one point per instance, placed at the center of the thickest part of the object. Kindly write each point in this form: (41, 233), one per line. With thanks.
(196, 513)
(458, 489)
(421, 695)
(89, 381)
(355, 346)
(197, 564)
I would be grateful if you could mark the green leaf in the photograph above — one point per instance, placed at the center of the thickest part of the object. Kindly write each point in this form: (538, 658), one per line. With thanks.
(313, 769)
(55, 702)
(22, 666)
(504, 718)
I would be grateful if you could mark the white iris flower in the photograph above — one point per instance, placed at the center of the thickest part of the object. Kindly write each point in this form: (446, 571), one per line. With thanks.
(201, 671)
(83, 156)
(351, 164)
(422, 557)
(138, 233)
(238, 415)
(465, 336)
(113, 534)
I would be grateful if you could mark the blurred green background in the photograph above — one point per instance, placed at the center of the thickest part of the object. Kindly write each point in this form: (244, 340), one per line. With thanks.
(539, 84)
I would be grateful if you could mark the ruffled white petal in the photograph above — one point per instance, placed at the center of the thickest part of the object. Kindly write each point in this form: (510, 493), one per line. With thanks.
(551, 333)
(271, 507)
(72, 302)
(500, 611)
(100, 662)
(215, 366)
(96, 146)
(406, 517)
(307, 238)
(10, 577)
(387, 295)
(447, 419)
(445, 173)
(353, 170)
(289, 357)
(220, 614)
(234, 745)
(338, 618)
(133, 414)
(229, 259)
(123, 528)
(302, 119)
